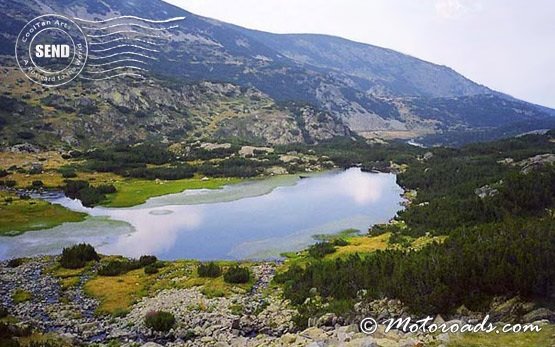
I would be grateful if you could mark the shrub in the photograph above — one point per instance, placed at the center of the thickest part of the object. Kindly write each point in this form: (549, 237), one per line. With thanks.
(209, 270)
(67, 172)
(160, 321)
(147, 260)
(3, 173)
(25, 197)
(151, 269)
(340, 242)
(3, 312)
(117, 267)
(10, 183)
(237, 274)
(321, 249)
(15, 262)
(77, 256)
(88, 195)
(120, 267)
(37, 184)
(106, 189)
(26, 135)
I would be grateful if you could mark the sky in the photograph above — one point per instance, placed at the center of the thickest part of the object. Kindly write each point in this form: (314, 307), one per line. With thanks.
(507, 45)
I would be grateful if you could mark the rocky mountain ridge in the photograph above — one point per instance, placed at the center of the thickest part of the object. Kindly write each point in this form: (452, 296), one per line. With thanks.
(354, 87)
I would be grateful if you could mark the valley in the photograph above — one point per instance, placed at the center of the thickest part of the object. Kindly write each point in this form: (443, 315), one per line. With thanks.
(235, 187)
(482, 182)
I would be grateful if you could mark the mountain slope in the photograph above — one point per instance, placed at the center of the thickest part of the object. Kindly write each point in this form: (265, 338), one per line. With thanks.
(348, 86)
(389, 73)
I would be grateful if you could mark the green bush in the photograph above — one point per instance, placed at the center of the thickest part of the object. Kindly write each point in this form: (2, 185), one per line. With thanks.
(89, 195)
(3, 312)
(4, 173)
(151, 269)
(340, 242)
(15, 262)
(67, 172)
(209, 270)
(117, 267)
(106, 188)
(160, 321)
(77, 256)
(147, 260)
(10, 183)
(120, 267)
(237, 274)
(37, 184)
(321, 249)
(35, 171)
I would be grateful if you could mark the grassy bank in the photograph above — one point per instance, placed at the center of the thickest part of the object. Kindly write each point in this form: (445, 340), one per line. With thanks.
(18, 216)
(134, 192)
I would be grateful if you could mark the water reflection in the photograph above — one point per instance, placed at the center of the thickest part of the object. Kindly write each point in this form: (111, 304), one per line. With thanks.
(231, 223)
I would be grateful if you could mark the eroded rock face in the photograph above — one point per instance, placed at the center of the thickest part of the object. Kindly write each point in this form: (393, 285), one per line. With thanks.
(133, 111)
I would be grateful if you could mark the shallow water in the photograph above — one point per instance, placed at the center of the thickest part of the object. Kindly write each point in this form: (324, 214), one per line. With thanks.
(255, 220)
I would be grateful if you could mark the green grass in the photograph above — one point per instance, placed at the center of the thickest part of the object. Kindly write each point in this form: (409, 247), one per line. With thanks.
(340, 235)
(544, 338)
(20, 296)
(19, 216)
(134, 192)
(118, 293)
(363, 245)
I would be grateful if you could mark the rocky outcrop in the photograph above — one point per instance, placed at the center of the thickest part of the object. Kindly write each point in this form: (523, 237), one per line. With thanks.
(536, 162)
(257, 317)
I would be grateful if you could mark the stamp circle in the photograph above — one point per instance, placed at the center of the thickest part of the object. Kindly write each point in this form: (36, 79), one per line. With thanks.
(51, 50)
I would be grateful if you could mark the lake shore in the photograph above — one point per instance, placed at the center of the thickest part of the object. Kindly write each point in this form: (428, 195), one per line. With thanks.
(255, 219)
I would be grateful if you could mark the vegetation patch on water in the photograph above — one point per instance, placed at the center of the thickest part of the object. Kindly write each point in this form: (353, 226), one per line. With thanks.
(18, 215)
(132, 192)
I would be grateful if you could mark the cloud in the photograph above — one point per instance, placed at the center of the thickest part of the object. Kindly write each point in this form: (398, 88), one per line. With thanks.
(455, 8)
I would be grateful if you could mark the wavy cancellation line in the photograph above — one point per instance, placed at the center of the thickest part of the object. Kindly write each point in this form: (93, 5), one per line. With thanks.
(123, 53)
(128, 32)
(124, 74)
(106, 38)
(122, 39)
(124, 46)
(127, 60)
(131, 17)
(118, 68)
(132, 25)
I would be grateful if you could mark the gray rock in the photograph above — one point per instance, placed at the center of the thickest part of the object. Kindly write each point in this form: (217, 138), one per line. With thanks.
(539, 314)
(327, 320)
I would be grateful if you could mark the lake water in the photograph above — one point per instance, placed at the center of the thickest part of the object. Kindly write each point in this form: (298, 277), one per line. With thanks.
(254, 220)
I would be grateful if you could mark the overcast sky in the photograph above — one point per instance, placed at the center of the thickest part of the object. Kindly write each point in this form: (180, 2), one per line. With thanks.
(508, 45)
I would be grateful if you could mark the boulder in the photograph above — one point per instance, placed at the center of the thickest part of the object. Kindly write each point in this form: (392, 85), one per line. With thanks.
(327, 320)
(315, 334)
(538, 315)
